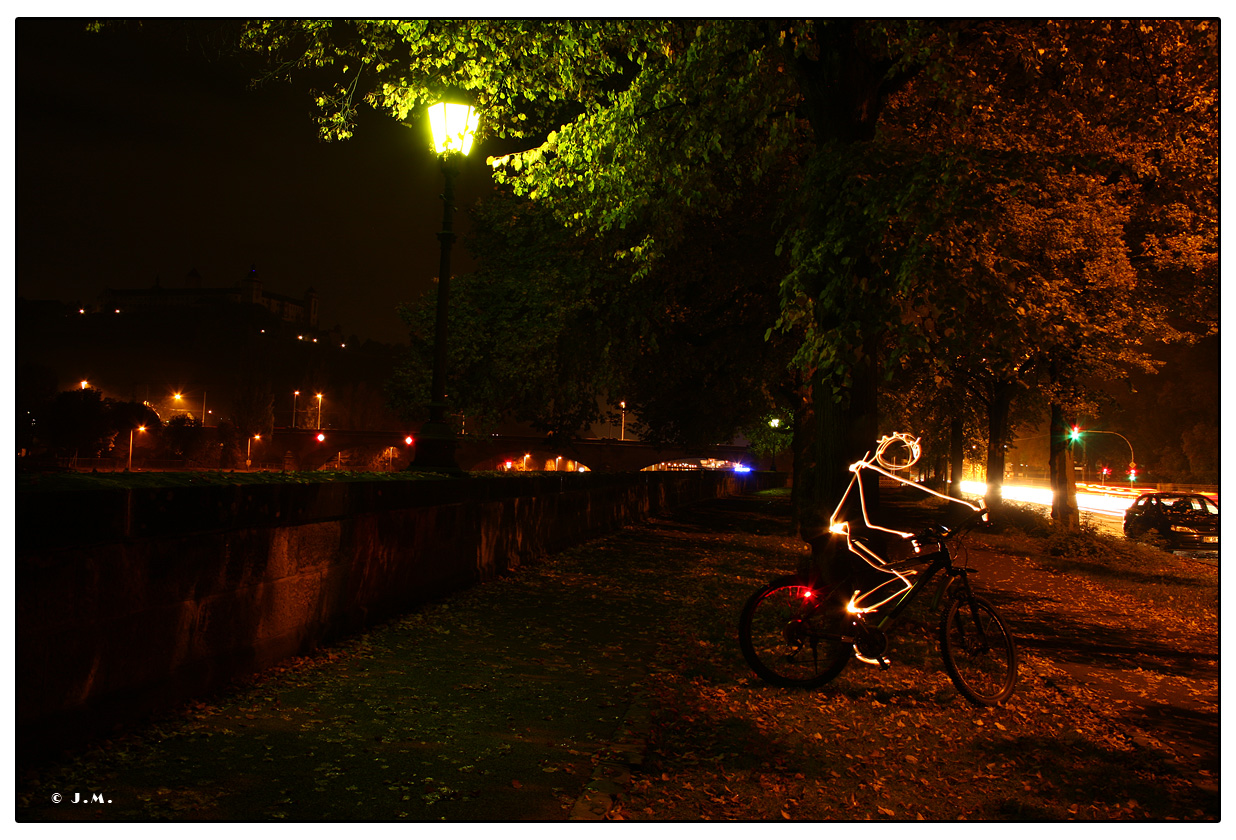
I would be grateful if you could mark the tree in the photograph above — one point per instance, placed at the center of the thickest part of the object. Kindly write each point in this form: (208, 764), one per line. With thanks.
(36, 388)
(182, 435)
(81, 422)
(528, 339)
(253, 405)
(896, 135)
(1082, 137)
(638, 126)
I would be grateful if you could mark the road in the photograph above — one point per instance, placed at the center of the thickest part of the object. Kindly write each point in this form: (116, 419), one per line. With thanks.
(1101, 506)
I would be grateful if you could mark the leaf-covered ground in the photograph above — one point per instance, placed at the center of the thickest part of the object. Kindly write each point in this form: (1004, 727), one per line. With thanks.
(902, 744)
(497, 703)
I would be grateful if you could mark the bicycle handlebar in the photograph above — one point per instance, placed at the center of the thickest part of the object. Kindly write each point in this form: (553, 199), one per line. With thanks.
(943, 532)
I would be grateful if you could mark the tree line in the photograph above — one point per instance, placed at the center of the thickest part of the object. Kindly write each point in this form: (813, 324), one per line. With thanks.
(836, 222)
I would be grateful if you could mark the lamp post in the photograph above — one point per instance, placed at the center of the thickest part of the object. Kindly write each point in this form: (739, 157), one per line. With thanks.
(131, 431)
(622, 435)
(295, 394)
(319, 412)
(453, 126)
(249, 449)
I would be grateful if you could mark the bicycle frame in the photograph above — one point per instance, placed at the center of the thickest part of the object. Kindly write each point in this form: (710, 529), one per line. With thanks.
(943, 563)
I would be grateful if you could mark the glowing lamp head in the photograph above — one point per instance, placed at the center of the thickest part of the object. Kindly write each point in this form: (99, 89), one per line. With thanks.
(141, 428)
(453, 126)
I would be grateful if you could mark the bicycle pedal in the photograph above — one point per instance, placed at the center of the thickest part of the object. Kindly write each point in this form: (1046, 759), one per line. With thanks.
(884, 663)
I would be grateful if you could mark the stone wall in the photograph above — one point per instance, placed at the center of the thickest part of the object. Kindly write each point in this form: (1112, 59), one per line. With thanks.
(131, 601)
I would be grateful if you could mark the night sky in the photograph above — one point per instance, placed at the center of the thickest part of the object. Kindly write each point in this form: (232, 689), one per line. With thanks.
(137, 158)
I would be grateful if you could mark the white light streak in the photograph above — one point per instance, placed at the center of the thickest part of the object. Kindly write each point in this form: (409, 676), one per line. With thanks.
(1094, 498)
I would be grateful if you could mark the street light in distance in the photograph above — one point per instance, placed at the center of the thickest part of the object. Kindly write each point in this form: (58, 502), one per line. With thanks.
(131, 431)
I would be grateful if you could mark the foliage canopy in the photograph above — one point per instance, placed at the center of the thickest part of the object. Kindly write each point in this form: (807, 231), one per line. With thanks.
(1029, 200)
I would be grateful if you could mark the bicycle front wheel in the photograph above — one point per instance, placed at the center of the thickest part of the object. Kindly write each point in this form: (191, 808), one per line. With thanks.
(791, 634)
(978, 650)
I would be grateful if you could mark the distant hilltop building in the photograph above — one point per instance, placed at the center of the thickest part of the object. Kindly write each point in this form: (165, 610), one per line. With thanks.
(246, 290)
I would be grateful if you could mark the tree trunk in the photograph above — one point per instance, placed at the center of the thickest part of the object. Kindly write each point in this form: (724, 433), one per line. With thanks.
(841, 433)
(1063, 481)
(997, 430)
(956, 455)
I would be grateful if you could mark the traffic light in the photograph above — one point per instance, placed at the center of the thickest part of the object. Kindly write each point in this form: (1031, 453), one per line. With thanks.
(1075, 434)
(1132, 474)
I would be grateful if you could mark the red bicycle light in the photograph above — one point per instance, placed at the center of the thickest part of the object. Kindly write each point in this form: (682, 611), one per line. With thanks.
(408, 440)
(321, 437)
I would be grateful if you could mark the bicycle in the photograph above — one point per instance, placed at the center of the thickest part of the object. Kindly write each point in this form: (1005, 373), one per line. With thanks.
(801, 632)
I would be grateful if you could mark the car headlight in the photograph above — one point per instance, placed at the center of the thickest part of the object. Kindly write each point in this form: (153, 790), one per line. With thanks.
(1184, 529)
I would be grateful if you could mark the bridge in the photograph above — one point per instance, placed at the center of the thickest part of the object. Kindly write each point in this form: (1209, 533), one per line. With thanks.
(311, 449)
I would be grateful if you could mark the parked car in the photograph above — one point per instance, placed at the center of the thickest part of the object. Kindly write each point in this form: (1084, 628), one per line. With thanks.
(1184, 520)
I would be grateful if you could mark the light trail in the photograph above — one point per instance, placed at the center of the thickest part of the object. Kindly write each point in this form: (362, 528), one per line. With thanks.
(1094, 498)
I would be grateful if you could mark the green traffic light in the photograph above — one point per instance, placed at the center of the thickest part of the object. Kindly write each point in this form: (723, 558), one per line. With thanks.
(1075, 434)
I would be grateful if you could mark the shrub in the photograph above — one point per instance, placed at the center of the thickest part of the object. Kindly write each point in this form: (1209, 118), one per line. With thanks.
(1081, 543)
(1025, 519)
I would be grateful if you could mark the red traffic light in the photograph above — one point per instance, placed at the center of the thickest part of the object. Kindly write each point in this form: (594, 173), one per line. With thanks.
(321, 437)
(408, 440)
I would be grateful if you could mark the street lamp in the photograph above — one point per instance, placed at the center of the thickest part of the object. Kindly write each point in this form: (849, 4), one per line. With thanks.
(453, 125)
(249, 449)
(319, 411)
(295, 394)
(622, 435)
(138, 429)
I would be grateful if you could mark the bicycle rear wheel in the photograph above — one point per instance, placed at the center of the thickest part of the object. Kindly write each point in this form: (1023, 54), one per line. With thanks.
(791, 635)
(978, 651)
